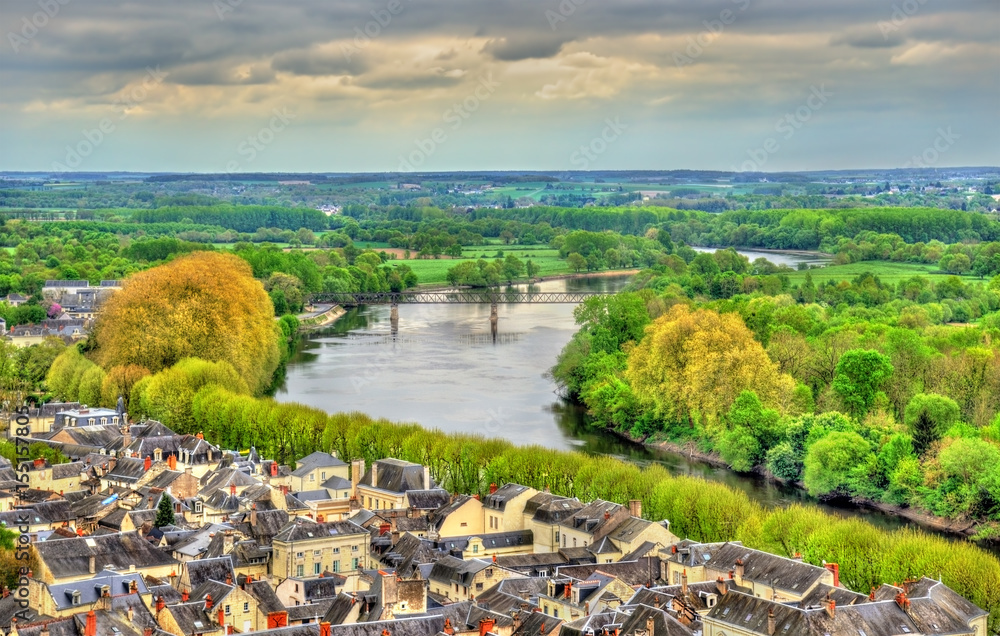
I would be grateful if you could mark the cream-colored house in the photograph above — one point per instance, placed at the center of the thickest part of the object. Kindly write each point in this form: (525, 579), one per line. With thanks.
(503, 508)
(307, 548)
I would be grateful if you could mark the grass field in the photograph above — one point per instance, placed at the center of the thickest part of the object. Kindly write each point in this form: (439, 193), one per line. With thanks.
(887, 271)
(433, 271)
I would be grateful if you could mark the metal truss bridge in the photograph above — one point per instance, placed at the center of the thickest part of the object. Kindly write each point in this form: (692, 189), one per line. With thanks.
(464, 297)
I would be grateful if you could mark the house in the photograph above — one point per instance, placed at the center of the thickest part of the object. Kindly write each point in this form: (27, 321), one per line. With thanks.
(307, 590)
(920, 607)
(542, 514)
(503, 508)
(15, 300)
(461, 517)
(66, 329)
(66, 599)
(455, 579)
(570, 598)
(314, 469)
(385, 484)
(84, 416)
(58, 478)
(304, 546)
(80, 558)
(590, 523)
(764, 574)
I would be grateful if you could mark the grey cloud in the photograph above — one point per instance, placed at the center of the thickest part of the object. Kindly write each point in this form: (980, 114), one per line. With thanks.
(869, 39)
(316, 63)
(515, 49)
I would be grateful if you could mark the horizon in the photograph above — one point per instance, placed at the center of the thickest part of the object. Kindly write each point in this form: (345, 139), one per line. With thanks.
(395, 86)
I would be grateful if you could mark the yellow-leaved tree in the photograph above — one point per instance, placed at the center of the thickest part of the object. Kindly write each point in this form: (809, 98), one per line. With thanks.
(694, 364)
(205, 305)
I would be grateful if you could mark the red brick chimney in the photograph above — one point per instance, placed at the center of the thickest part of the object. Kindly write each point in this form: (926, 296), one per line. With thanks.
(200, 435)
(208, 602)
(274, 469)
(722, 586)
(148, 631)
(160, 604)
(91, 628)
(324, 629)
(569, 589)
(146, 465)
(835, 568)
(232, 490)
(903, 601)
(831, 607)
(486, 625)
(384, 529)
(493, 489)
(185, 597)
(448, 629)
(222, 619)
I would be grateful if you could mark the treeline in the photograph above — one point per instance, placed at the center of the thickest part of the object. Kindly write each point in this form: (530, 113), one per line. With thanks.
(697, 509)
(242, 218)
(840, 386)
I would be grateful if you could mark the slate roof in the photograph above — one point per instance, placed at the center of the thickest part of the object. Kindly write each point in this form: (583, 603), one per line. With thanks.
(499, 499)
(455, 570)
(70, 557)
(428, 499)
(267, 600)
(128, 470)
(396, 475)
(152, 428)
(192, 618)
(663, 623)
(421, 626)
(337, 483)
(304, 529)
(203, 570)
(310, 611)
(548, 508)
(593, 516)
(642, 572)
(315, 460)
(761, 567)
(196, 543)
(269, 523)
(340, 609)
(492, 541)
(537, 624)
(90, 589)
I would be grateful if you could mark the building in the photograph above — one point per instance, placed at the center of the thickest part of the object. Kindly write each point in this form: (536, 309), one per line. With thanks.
(305, 547)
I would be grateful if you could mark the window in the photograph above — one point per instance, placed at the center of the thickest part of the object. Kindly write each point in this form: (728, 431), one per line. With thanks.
(456, 587)
(574, 542)
(479, 587)
(336, 566)
(312, 477)
(317, 552)
(354, 564)
(322, 475)
(464, 524)
(299, 555)
(114, 420)
(104, 420)
(354, 548)
(475, 549)
(300, 570)
(246, 607)
(317, 568)
(564, 540)
(197, 506)
(555, 613)
(228, 612)
(336, 550)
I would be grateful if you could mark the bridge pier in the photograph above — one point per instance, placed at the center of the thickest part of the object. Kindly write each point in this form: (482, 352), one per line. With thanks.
(493, 321)
(394, 319)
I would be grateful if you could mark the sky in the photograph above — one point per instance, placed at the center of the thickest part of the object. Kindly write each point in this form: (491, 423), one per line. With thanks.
(387, 85)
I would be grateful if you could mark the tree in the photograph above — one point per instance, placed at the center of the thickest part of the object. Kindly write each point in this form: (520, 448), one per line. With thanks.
(576, 261)
(829, 462)
(164, 512)
(531, 269)
(204, 304)
(694, 364)
(928, 416)
(512, 267)
(859, 376)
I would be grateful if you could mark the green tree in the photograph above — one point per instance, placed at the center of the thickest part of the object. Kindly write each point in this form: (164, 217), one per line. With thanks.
(830, 461)
(164, 512)
(576, 261)
(928, 416)
(531, 269)
(859, 376)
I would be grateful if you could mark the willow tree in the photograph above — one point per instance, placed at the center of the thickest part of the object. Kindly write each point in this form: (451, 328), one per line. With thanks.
(204, 305)
(693, 365)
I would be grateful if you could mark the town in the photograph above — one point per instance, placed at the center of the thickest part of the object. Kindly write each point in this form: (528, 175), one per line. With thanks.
(149, 532)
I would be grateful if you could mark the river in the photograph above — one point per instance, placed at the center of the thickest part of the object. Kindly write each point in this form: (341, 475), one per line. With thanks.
(442, 370)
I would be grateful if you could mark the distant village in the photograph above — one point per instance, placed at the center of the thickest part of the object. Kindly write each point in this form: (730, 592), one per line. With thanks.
(73, 304)
(147, 532)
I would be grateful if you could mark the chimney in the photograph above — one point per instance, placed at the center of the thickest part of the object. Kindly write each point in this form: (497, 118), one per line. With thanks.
(146, 465)
(39, 463)
(427, 478)
(253, 514)
(831, 607)
(274, 469)
(222, 620)
(486, 625)
(374, 474)
(91, 628)
(324, 629)
(835, 568)
(384, 529)
(185, 597)
(357, 471)
(127, 435)
(771, 625)
(200, 435)
(130, 613)
(149, 504)
(739, 569)
(172, 462)
(148, 631)
(722, 586)
(229, 578)
(607, 515)
(92, 564)
(569, 589)
(160, 604)
(902, 601)
(133, 588)
(684, 583)
(448, 629)
(232, 490)
(208, 602)
(493, 488)
(649, 626)
(635, 507)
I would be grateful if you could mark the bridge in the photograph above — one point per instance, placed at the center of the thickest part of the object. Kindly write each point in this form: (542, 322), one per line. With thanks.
(491, 296)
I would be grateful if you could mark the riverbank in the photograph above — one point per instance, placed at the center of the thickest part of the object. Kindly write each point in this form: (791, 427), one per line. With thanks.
(608, 273)
(323, 319)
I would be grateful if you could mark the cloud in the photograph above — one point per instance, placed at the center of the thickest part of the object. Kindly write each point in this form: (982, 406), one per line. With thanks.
(515, 49)
(869, 38)
(318, 61)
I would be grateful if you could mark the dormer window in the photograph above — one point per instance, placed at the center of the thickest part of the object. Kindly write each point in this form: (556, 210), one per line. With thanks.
(76, 597)
(197, 506)
(157, 455)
